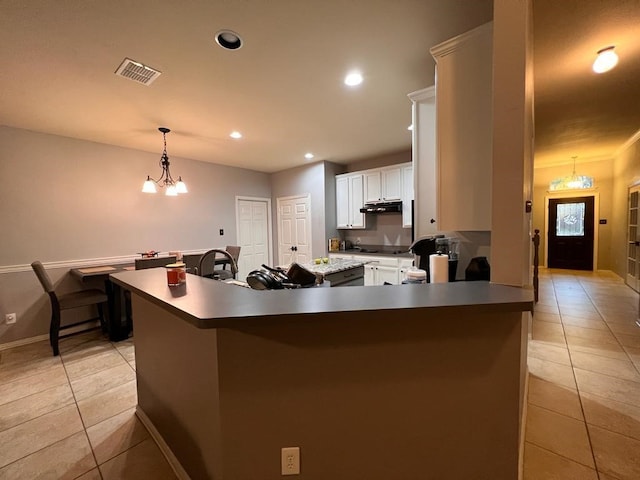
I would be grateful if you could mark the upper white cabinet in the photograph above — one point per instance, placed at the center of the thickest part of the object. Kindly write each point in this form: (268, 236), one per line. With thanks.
(407, 195)
(383, 184)
(372, 186)
(349, 200)
(391, 183)
(353, 190)
(423, 154)
(464, 130)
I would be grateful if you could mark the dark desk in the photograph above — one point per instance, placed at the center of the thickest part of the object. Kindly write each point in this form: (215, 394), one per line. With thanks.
(118, 323)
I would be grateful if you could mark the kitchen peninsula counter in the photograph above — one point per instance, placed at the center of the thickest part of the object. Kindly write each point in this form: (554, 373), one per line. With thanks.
(407, 379)
(212, 304)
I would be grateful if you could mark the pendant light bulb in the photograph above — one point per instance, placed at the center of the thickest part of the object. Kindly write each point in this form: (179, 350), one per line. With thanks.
(181, 187)
(171, 191)
(606, 60)
(149, 186)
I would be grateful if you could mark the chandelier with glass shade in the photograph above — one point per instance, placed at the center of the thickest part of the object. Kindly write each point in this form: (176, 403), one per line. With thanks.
(172, 188)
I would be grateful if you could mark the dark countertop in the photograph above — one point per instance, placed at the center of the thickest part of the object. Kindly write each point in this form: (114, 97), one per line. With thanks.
(209, 303)
(379, 250)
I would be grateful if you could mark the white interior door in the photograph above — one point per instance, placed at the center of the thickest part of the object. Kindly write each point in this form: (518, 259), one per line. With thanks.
(254, 234)
(294, 230)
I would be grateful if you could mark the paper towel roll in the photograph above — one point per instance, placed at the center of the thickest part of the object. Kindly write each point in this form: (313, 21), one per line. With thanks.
(438, 268)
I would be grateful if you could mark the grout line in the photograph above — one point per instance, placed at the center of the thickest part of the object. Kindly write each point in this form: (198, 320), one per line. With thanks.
(84, 426)
(580, 400)
(562, 456)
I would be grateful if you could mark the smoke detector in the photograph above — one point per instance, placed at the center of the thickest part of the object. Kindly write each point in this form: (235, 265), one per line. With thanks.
(137, 72)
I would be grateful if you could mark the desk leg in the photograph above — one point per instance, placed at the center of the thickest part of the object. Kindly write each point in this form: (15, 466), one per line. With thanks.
(118, 330)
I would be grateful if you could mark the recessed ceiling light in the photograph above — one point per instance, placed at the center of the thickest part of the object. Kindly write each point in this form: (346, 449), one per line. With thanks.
(353, 79)
(228, 39)
(606, 60)
(235, 134)
(308, 155)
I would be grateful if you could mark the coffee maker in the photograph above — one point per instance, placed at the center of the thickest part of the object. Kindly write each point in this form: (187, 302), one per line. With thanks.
(426, 246)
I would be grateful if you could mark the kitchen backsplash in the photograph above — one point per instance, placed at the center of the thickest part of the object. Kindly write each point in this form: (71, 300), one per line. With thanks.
(381, 230)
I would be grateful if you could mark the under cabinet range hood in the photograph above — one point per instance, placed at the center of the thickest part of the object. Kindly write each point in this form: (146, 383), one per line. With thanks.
(382, 207)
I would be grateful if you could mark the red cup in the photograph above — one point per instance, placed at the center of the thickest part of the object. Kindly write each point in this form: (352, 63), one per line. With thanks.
(176, 274)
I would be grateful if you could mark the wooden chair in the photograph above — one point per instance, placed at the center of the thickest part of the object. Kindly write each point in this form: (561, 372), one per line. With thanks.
(68, 301)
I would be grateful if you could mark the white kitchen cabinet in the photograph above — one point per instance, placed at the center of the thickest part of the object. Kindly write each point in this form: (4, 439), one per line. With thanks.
(349, 201)
(372, 186)
(391, 183)
(383, 184)
(423, 154)
(464, 130)
(379, 270)
(407, 195)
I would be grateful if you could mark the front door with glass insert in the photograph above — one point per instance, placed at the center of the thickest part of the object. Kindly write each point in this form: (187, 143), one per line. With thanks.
(570, 240)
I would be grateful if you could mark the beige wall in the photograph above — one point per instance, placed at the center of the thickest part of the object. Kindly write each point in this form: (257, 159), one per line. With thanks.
(602, 172)
(307, 179)
(381, 160)
(64, 199)
(512, 178)
(626, 172)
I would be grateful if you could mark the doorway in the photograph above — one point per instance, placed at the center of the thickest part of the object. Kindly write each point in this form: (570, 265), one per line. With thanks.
(633, 239)
(571, 232)
(253, 220)
(294, 229)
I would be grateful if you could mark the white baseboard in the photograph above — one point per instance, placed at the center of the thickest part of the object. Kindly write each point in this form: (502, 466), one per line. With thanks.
(164, 448)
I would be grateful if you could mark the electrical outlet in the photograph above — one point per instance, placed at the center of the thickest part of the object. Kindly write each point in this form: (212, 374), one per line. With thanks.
(221, 231)
(290, 461)
(10, 318)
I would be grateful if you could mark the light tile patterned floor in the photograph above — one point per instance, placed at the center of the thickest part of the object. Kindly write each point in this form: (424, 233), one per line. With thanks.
(73, 416)
(584, 384)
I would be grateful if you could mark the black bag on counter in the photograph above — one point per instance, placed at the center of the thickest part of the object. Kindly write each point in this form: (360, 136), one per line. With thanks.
(478, 269)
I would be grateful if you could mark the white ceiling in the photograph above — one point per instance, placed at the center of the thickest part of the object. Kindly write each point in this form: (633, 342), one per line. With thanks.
(578, 112)
(283, 89)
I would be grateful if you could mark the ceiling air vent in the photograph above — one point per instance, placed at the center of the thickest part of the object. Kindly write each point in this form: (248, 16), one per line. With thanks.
(137, 72)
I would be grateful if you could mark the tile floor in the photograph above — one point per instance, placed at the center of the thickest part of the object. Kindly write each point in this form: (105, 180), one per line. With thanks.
(73, 416)
(584, 379)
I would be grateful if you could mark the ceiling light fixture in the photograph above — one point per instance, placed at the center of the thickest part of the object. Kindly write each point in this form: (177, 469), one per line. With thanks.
(228, 40)
(165, 180)
(606, 60)
(235, 134)
(571, 182)
(308, 155)
(353, 79)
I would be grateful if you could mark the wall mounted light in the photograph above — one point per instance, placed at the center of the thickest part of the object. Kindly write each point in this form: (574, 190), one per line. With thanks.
(606, 60)
(173, 188)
